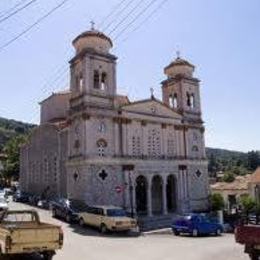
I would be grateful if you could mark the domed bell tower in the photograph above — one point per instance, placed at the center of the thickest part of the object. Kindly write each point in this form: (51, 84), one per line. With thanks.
(93, 69)
(181, 89)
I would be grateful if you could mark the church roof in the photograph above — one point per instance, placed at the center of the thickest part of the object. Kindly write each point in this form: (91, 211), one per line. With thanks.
(180, 62)
(138, 105)
(93, 33)
(240, 183)
(255, 178)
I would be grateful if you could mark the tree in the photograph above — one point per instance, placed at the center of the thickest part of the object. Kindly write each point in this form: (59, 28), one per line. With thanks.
(217, 202)
(228, 177)
(253, 160)
(12, 152)
(248, 204)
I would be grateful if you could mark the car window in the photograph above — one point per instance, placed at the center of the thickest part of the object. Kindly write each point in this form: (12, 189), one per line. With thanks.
(23, 217)
(77, 205)
(116, 213)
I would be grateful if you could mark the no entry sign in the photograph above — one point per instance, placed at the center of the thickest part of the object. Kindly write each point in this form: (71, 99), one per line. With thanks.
(118, 189)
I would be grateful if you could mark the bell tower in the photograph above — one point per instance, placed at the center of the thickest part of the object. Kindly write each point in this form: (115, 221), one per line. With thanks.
(93, 69)
(181, 89)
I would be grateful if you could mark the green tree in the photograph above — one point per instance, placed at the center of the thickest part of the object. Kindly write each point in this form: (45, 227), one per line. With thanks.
(248, 204)
(228, 177)
(12, 152)
(253, 160)
(217, 202)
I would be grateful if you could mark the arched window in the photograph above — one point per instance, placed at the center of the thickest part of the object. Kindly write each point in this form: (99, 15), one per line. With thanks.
(101, 144)
(175, 101)
(96, 79)
(102, 127)
(190, 100)
(103, 81)
(195, 148)
(81, 83)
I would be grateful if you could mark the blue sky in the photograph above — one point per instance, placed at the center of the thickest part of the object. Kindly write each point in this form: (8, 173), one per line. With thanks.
(221, 38)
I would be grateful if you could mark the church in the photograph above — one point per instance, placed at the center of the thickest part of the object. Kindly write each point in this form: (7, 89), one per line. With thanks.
(147, 156)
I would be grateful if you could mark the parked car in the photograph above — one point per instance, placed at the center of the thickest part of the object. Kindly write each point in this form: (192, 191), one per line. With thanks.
(68, 209)
(3, 204)
(195, 225)
(21, 197)
(34, 199)
(22, 233)
(107, 218)
(8, 191)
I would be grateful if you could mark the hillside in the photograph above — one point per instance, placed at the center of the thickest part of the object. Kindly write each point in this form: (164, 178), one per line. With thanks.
(10, 128)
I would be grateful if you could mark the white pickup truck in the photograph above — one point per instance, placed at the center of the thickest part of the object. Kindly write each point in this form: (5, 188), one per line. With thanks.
(22, 233)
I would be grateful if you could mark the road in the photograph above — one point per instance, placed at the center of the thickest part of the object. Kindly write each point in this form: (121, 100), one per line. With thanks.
(82, 244)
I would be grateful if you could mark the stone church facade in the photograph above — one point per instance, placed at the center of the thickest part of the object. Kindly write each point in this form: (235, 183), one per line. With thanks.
(92, 144)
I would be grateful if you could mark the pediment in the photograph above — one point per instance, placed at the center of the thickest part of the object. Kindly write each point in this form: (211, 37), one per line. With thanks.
(151, 107)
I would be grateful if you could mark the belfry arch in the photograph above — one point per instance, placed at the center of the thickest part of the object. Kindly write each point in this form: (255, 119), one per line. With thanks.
(141, 195)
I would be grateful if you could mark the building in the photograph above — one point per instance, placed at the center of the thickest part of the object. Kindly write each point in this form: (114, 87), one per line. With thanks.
(232, 192)
(254, 185)
(93, 144)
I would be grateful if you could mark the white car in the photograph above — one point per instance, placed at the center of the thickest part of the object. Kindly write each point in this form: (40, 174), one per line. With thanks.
(3, 204)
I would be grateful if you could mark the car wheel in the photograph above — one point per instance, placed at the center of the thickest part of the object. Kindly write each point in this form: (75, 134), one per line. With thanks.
(103, 228)
(176, 233)
(195, 232)
(218, 232)
(81, 222)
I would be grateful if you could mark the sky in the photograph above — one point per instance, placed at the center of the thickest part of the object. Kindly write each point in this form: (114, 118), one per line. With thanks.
(221, 38)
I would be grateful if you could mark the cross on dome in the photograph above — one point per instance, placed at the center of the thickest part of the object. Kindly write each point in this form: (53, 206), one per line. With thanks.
(92, 25)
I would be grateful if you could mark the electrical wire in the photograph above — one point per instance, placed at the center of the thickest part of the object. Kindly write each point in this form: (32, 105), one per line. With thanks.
(126, 17)
(146, 19)
(5, 18)
(118, 15)
(147, 7)
(6, 12)
(32, 26)
(111, 13)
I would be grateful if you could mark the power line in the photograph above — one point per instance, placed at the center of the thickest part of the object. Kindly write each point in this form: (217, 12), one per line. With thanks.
(126, 17)
(117, 14)
(5, 18)
(4, 13)
(146, 19)
(112, 12)
(135, 18)
(33, 25)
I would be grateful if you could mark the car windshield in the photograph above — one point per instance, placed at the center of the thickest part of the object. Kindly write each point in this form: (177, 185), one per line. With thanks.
(77, 205)
(116, 213)
(19, 217)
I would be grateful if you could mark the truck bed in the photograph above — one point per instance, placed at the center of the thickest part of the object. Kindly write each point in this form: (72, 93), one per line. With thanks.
(248, 234)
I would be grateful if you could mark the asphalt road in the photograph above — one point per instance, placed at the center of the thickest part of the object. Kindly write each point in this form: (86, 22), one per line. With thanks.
(88, 244)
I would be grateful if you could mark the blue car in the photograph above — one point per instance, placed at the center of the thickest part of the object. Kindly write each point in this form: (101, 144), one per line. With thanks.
(195, 225)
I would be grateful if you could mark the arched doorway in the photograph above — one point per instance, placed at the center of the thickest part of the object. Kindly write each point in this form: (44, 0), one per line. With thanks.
(171, 193)
(141, 195)
(157, 204)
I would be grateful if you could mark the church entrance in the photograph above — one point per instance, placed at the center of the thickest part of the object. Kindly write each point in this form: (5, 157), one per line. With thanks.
(157, 202)
(171, 194)
(141, 195)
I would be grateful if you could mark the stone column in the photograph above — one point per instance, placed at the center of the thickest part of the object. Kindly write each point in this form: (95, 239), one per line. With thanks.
(149, 196)
(164, 195)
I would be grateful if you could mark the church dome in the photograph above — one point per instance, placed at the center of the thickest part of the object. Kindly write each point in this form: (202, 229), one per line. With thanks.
(179, 67)
(93, 39)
